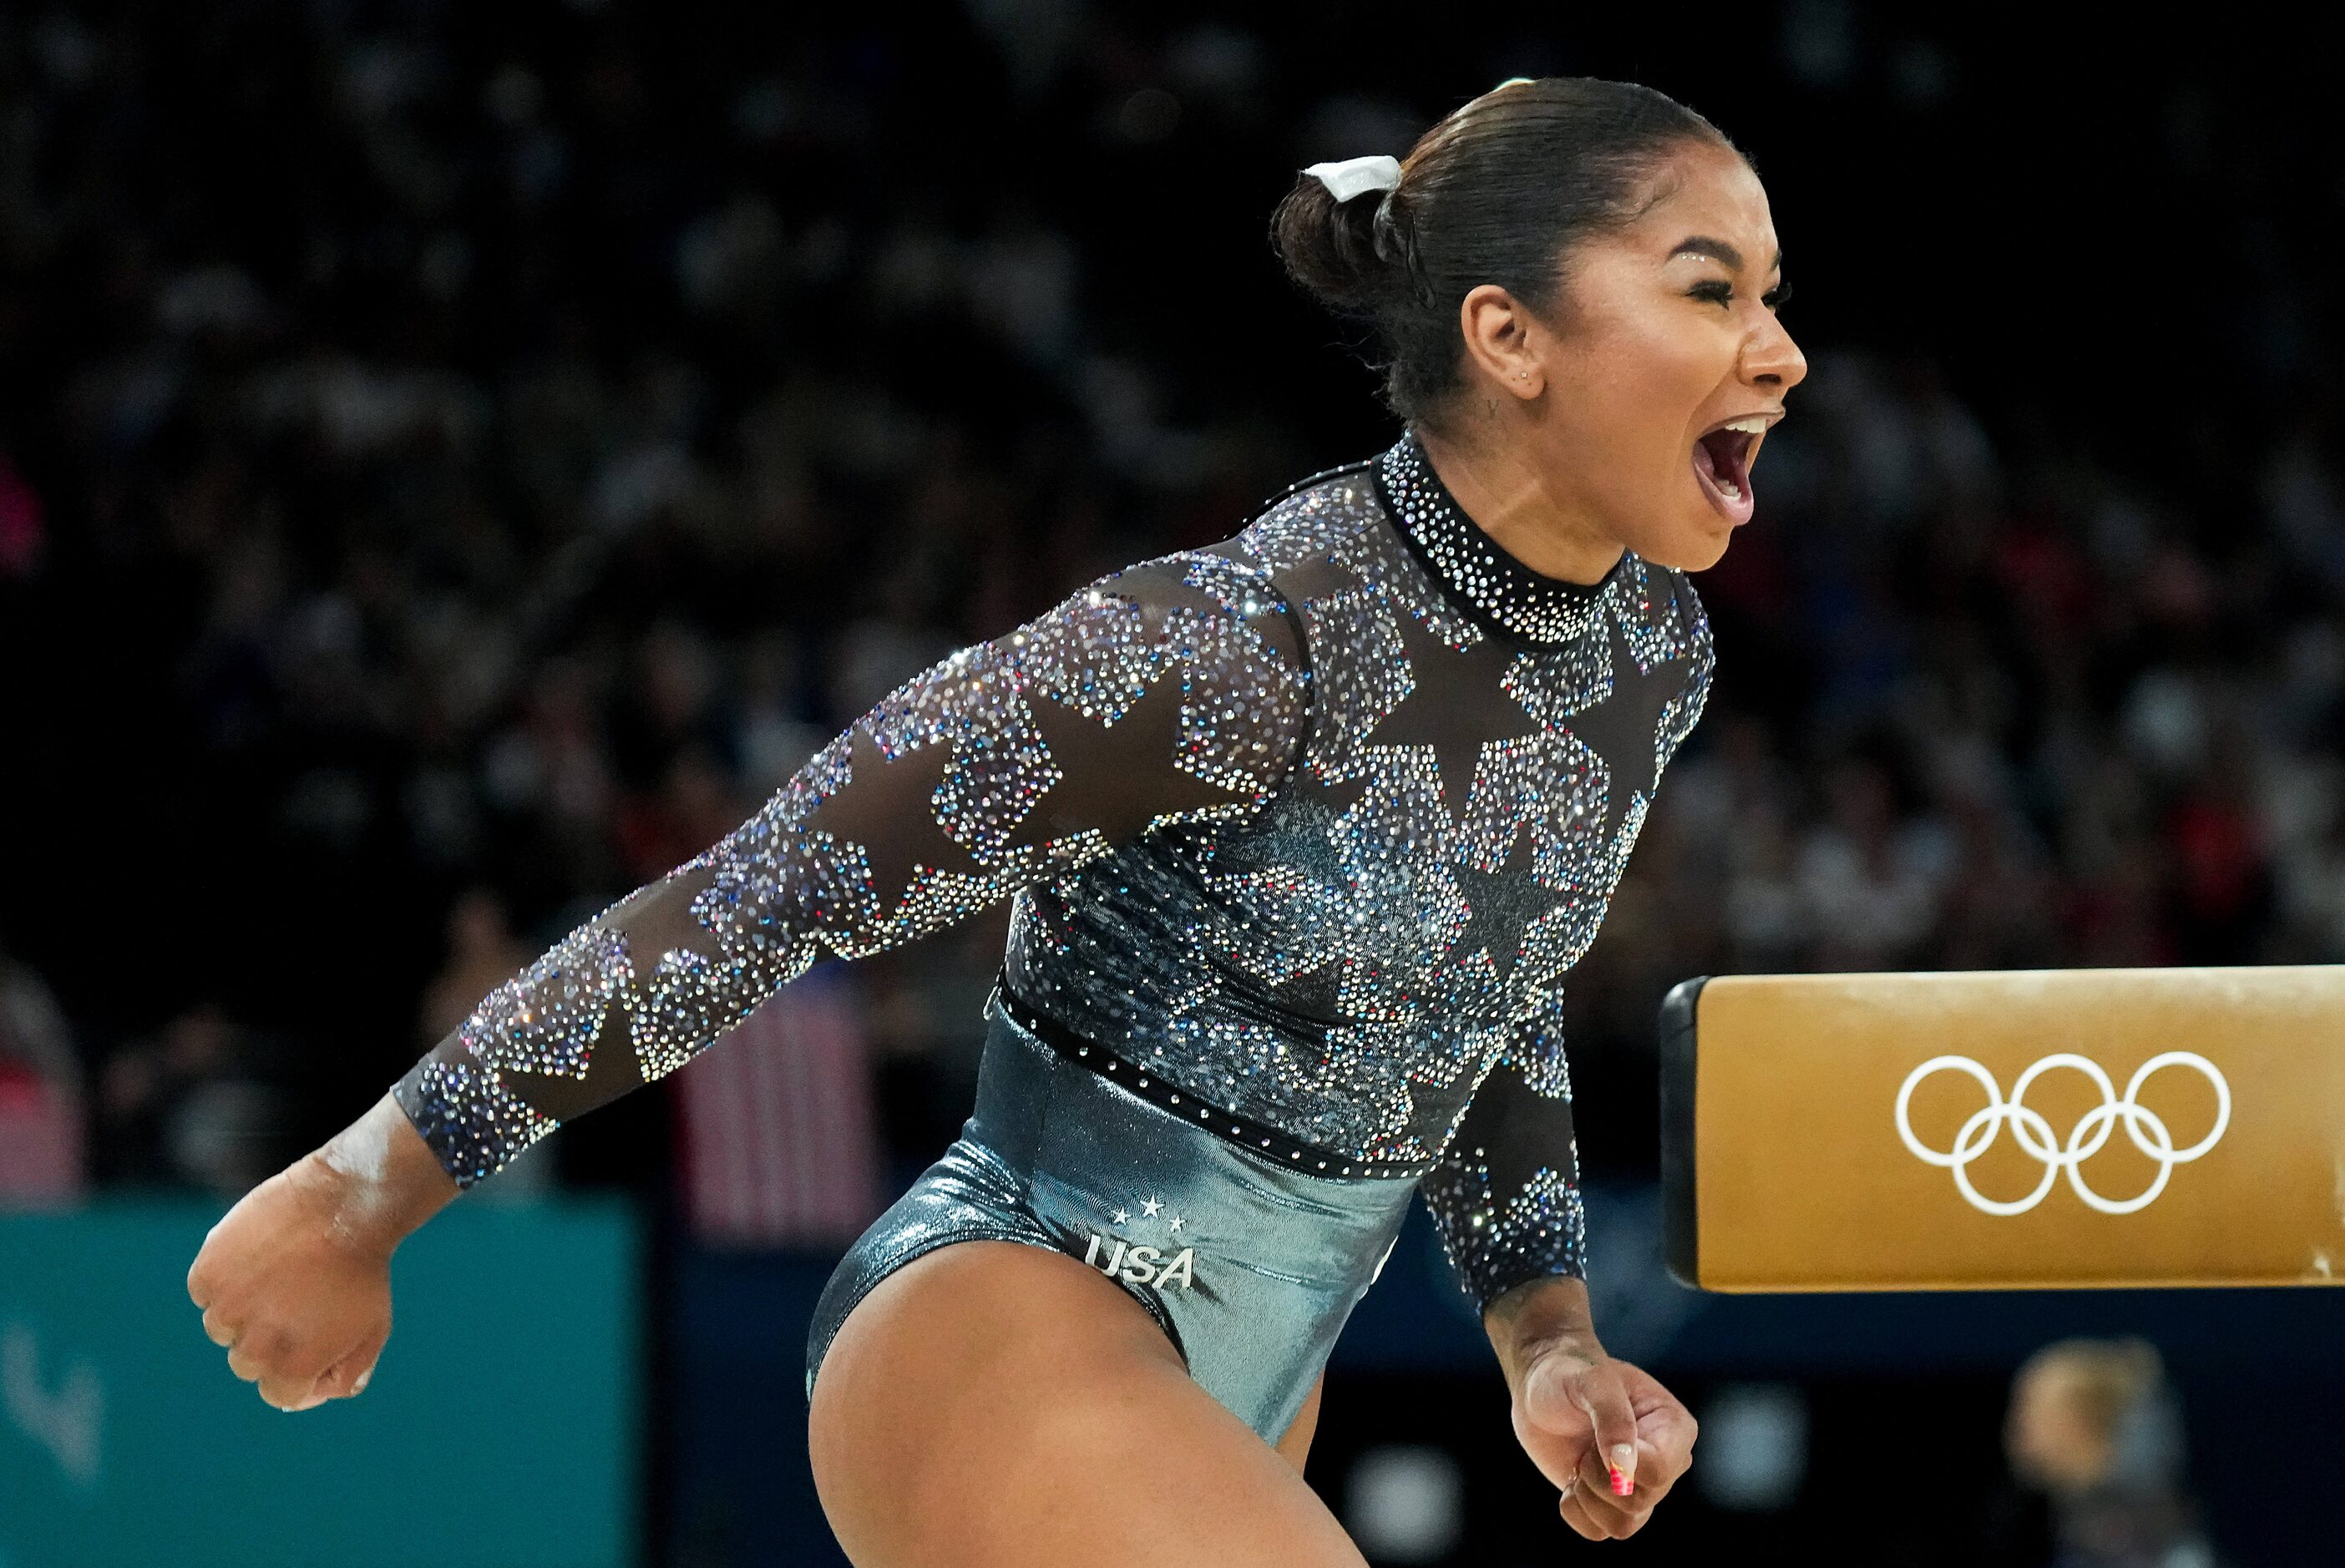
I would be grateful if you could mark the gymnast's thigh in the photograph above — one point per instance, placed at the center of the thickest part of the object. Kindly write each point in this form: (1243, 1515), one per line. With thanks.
(996, 1405)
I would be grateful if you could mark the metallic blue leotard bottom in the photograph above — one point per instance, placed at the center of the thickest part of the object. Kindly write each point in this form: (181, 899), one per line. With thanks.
(1249, 1267)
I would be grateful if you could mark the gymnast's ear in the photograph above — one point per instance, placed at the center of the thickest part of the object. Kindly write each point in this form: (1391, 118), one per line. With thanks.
(1505, 342)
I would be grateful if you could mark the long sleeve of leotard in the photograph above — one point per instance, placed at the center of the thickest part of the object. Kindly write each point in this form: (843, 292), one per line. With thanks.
(1505, 1197)
(1173, 692)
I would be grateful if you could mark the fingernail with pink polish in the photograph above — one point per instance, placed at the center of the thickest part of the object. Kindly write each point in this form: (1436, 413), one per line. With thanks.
(1622, 1485)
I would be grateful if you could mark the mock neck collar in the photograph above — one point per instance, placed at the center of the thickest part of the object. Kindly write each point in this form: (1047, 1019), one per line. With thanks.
(1493, 588)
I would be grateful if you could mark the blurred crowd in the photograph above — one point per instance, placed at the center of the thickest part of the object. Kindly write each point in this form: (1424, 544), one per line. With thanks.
(456, 464)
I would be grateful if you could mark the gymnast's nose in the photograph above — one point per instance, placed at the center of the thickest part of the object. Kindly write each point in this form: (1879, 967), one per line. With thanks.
(1771, 361)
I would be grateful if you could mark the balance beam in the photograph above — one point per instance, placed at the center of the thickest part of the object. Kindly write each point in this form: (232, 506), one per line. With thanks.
(2052, 1129)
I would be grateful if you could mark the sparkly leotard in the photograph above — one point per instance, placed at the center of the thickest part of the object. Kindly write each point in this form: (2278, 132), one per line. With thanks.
(1304, 832)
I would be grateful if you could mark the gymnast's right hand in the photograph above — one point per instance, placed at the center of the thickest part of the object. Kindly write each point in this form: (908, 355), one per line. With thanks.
(295, 1281)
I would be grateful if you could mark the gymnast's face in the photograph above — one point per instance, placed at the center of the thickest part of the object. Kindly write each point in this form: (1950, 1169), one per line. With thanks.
(1640, 400)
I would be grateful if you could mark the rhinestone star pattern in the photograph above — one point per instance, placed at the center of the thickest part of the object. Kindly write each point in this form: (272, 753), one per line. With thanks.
(1308, 827)
(1496, 1234)
(1174, 691)
(1373, 962)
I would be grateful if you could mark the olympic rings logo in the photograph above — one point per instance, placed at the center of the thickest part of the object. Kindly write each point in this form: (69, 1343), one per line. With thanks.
(2033, 1134)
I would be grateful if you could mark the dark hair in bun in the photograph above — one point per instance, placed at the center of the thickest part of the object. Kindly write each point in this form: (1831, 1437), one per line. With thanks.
(1495, 192)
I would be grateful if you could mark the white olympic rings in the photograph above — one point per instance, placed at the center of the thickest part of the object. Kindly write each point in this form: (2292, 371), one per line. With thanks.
(2033, 1134)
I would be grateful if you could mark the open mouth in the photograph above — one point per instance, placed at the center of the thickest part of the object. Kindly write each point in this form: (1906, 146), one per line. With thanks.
(1721, 461)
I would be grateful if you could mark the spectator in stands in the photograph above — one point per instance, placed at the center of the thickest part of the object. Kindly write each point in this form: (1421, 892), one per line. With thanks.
(205, 1103)
(2094, 1424)
(41, 1100)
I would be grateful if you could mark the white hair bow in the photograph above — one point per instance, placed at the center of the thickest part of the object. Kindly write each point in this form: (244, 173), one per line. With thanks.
(1356, 175)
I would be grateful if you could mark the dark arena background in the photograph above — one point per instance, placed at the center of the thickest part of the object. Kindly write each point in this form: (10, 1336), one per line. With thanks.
(456, 459)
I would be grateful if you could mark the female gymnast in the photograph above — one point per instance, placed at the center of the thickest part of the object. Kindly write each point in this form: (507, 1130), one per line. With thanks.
(1303, 831)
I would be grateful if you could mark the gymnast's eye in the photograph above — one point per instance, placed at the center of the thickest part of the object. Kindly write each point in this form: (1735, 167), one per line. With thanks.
(1715, 290)
(1775, 298)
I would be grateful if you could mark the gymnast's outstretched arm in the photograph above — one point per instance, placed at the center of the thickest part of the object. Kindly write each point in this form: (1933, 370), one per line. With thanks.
(1172, 691)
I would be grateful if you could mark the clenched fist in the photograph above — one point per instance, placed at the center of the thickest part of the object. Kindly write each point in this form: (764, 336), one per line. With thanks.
(295, 1281)
(1611, 1439)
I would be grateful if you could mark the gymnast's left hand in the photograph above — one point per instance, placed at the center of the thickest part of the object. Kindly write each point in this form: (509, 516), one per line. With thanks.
(1584, 1416)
